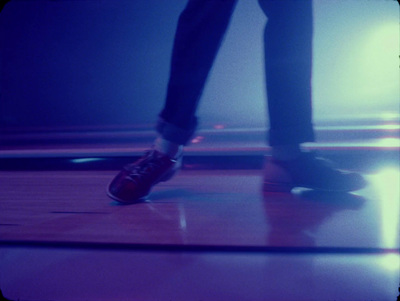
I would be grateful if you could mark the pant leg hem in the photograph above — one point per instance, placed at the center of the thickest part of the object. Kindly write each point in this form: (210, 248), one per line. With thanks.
(172, 133)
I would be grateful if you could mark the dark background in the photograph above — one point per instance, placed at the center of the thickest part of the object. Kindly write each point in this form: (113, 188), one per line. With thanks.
(105, 63)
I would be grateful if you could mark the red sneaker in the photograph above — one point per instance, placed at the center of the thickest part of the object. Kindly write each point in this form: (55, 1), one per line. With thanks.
(134, 182)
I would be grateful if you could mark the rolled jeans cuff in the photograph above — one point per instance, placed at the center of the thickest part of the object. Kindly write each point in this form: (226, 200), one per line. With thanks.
(172, 133)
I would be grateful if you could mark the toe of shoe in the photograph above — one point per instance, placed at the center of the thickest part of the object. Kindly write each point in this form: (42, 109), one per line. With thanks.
(344, 182)
(124, 190)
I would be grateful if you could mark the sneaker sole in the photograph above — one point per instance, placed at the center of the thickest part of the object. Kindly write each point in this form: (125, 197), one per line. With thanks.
(277, 187)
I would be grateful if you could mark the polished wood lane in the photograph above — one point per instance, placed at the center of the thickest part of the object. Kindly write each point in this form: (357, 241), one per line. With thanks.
(196, 208)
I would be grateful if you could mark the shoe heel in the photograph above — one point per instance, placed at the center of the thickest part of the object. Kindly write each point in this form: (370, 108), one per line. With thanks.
(168, 176)
(172, 172)
(274, 187)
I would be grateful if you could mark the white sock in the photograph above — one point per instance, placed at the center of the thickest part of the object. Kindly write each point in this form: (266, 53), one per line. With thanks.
(169, 148)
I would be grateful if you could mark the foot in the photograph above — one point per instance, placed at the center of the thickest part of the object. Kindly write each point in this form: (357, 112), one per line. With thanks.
(134, 182)
(309, 172)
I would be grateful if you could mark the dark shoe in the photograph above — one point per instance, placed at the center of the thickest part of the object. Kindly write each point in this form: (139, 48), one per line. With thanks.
(311, 172)
(135, 181)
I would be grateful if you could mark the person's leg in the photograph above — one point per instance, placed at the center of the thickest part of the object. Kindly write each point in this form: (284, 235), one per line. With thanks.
(288, 60)
(200, 30)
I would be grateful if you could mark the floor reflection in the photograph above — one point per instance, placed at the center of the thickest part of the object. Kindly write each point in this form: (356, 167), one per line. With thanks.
(295, 246)
(386, 185)
(294, 218)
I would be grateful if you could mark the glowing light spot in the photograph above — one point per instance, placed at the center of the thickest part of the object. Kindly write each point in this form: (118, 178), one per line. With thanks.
(219, 126)
(182, 217)
(390, 142)
(378, 71)
(387, 187)
(390, 116)
(366, 72)
(390, 262)
(390, 127)
(197, 139)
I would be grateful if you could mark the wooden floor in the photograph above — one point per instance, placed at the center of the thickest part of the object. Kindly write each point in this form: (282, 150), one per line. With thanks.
(210, 233)
(212, 208)
(58, 227)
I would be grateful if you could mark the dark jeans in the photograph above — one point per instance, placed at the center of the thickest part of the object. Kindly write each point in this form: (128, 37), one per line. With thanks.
(288, 57)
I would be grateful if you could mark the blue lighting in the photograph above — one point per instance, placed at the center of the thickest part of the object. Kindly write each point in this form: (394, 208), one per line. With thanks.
(356, 58)
(86, 160)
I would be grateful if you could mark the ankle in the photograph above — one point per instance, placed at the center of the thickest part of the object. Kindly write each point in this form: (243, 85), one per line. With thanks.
(286, 152)
(168, 148)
